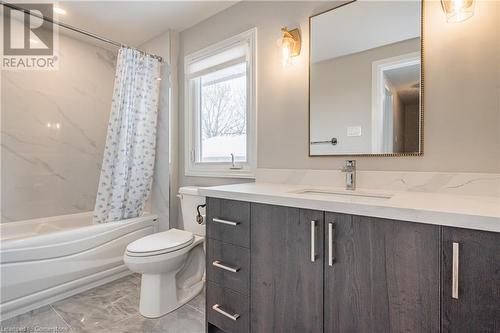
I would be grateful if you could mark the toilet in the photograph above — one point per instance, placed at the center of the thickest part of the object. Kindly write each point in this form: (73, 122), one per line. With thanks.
(172, 262)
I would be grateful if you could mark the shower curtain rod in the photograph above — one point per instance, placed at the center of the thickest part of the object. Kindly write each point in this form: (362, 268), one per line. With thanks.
(83, 32)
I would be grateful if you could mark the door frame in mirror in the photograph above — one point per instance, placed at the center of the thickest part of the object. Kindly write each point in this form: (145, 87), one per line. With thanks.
(422, 89)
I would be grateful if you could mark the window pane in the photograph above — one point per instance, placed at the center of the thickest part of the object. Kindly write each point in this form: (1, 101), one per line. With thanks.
(223, 123)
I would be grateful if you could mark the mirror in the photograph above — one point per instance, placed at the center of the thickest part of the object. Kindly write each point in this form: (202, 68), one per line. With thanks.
(365, 79)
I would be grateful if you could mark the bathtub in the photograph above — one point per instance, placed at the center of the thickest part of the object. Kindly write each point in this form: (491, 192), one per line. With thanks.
(45, 260)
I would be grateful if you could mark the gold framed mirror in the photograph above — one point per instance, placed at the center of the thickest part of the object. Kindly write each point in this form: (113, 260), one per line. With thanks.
(366, 79)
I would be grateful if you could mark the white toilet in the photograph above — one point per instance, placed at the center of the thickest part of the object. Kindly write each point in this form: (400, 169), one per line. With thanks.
(172, 262)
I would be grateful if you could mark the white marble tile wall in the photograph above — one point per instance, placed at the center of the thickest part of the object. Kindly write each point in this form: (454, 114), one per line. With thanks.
(484, 184)
(159, 201)
(160, 191)
(53, 132)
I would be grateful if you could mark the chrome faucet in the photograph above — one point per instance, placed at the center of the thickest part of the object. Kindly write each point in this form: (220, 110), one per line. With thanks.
(350, 174)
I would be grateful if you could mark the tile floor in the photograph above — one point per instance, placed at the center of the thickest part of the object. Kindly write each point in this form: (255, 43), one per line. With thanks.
(111, 308)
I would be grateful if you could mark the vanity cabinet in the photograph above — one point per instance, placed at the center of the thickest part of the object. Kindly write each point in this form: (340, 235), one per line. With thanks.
(470, 281)
(286, 269)
(228, 266)
(381, 275)
(292, 270)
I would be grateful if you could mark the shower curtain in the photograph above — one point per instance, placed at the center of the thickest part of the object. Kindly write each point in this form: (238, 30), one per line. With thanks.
(129, 154)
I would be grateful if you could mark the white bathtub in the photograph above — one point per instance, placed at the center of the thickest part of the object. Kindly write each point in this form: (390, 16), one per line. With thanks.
(48, 259)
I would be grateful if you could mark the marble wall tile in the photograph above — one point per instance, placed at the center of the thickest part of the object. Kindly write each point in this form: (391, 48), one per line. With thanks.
(160, 191)
(477, 184)
(53, 132)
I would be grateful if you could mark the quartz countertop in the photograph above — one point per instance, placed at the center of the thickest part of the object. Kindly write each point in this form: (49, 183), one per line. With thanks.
(464, 211)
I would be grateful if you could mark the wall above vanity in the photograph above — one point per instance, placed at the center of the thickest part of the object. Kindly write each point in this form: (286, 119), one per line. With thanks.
(462, 75)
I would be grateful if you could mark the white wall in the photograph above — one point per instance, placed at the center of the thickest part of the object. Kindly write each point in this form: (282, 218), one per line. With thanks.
(54, 171)
(461, 126)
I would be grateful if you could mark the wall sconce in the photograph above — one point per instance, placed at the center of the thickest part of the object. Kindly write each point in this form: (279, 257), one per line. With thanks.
(458, 10)
(290, 45)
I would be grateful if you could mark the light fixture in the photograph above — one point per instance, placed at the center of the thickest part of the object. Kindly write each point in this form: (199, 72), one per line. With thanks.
(290, 45)
(59, 10)
(458, 10)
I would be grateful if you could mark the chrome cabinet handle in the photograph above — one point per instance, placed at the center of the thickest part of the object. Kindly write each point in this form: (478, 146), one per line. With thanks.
(226, 222)
(454, 275)
(331, 235)
(314, 224)
(219, 264)
(217, 308)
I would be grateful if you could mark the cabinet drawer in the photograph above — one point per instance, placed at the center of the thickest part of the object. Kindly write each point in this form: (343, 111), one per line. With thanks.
(228, 221)
(228, 265)
(226, 309)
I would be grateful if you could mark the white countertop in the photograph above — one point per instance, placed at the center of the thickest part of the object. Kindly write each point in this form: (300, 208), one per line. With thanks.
(464, 211)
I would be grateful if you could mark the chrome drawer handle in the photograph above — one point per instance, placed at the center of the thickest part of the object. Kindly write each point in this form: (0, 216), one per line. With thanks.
(454, 277)
(331, 236)
(225, 222)
(217, 308)
(217, 263)
(314, 224)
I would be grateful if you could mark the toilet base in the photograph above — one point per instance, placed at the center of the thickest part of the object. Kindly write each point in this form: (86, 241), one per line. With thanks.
(163, 293)
(157, 302)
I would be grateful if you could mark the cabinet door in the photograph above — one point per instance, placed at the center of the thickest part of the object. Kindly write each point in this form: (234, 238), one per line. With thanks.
(474, 305)
(383, 276)
(286, 283)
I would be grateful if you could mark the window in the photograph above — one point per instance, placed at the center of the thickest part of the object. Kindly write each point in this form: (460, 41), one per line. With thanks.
(220, 104)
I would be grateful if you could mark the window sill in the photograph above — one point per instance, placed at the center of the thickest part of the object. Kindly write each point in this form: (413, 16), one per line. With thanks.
(243, 173)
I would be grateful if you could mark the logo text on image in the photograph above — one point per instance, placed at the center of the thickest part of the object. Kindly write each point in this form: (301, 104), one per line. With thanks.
(29, 40)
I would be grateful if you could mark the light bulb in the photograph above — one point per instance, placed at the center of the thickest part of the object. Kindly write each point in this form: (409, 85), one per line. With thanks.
(458, 10)
(286, 50)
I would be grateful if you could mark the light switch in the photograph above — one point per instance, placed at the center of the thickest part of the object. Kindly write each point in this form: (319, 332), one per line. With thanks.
(354, 131)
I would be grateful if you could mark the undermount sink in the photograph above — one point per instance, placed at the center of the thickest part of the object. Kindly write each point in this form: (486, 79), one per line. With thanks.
(349, 193)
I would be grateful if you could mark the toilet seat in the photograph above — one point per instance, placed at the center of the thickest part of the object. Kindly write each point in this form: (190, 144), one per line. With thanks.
(160, 243)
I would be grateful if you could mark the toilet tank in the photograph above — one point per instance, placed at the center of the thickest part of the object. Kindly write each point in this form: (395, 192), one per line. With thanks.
(190, 199)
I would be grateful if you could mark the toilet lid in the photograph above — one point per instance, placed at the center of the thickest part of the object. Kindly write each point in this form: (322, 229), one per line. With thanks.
(161, 242)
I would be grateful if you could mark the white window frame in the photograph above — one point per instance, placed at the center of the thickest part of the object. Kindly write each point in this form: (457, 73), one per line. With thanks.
(222, 169)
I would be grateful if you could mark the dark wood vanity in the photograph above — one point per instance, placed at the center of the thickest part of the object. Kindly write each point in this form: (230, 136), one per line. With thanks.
(282, 269)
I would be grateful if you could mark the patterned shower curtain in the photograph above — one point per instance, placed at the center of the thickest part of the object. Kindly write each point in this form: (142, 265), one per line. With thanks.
(129, 154)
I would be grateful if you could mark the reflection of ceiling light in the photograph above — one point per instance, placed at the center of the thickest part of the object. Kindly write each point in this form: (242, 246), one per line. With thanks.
(54, 125)
(59, 10)
(34, 41)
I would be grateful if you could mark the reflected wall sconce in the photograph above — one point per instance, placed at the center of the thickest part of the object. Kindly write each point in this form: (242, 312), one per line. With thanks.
(290, 45)
(458, 10)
